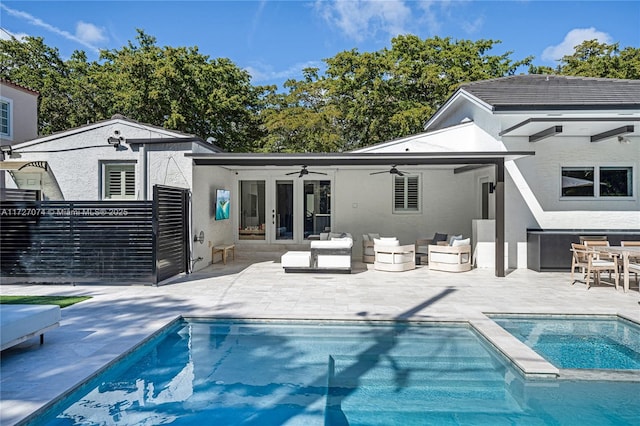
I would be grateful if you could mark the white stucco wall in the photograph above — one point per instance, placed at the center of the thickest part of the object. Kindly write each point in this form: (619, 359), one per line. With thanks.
(75, 158)
(363, 204)
(24, 114)
(216, 232)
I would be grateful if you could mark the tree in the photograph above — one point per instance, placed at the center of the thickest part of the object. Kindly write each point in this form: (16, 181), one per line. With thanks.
(181, 89)
(372, 97)
(594, 59)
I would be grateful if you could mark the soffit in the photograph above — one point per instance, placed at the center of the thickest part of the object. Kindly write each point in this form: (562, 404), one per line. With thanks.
(357, 159)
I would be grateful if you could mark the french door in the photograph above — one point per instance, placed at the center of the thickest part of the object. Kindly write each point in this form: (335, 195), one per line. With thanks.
(282, 210)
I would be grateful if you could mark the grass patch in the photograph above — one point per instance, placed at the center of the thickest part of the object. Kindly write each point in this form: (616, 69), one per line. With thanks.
(62, 301)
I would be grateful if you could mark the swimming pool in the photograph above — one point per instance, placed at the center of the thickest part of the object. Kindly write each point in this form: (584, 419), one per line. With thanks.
(580, 342)
(205, 372)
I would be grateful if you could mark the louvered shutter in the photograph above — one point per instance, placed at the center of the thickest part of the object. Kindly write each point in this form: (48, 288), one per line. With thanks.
(406, 195)
(398, 193)
(120, 181)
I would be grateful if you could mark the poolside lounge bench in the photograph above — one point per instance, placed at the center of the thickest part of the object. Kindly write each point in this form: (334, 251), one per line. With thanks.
(19, 323)
(332, 255)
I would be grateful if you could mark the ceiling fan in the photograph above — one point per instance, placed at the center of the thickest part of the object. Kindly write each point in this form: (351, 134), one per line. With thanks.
(303, 171)
(393, 170)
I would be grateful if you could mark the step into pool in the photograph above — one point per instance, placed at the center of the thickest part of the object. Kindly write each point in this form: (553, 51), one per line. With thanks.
(210, 372)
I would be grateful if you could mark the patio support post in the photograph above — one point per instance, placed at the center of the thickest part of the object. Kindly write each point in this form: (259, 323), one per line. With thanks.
(499, 199)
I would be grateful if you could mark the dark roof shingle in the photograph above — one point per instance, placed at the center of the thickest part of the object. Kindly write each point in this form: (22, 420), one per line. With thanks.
(527, 92)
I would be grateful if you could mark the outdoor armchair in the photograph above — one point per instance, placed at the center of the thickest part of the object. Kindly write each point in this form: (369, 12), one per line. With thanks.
(588, 260)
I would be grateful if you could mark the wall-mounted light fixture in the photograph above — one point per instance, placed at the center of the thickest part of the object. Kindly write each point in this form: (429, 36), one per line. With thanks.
(623, 140)
(199, 238)
(492, 187)
(115, 141)
(5, 152)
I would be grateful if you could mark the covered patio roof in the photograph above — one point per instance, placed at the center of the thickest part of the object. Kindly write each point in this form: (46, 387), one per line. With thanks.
(356, 159)
(464, 161)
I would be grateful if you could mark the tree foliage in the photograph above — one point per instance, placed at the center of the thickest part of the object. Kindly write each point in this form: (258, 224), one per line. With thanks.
(175, 88)
(594, 59)
(371, 97)
(361, 98)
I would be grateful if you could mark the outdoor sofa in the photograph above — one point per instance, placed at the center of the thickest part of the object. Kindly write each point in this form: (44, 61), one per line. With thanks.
(332, 253)
(19, 323)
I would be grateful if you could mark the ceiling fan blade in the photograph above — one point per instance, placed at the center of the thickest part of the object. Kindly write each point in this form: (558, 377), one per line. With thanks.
(377, 173)
(318, 173)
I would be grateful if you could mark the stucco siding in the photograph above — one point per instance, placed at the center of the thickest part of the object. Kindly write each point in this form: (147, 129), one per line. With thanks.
(76, 159)
(24, 114)
(211, 178)
(364, 205)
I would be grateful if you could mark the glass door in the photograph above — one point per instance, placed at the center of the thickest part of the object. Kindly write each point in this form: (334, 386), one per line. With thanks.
(317, 208)
(283, 212)
(252, 210)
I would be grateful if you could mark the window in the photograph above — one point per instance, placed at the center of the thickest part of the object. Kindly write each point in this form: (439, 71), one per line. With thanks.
(5, 118)
(406, 195)
(119, 181)
(595, 182)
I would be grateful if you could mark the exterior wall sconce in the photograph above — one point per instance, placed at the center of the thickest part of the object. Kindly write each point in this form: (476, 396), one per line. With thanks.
(5, 151)
(115, 141)
(199, 238)
(492, 187)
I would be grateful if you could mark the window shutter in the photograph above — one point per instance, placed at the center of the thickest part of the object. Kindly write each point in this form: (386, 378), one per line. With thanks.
(412, 193)
(398, 193)
(130, 183)
(406, 194)
(120, 181)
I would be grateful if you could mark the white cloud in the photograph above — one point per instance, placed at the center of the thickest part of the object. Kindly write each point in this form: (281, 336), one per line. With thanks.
(573, 39)
(359, 19)
(81, 31)
(7, 35)
(89, 33)
(264, 73)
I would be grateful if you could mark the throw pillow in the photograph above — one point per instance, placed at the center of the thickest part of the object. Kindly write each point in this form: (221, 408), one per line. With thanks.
(365, 237)
(464, 242)
(439, 237)
(386, 242)
(324, 235)
(372, 236)
(453, 238)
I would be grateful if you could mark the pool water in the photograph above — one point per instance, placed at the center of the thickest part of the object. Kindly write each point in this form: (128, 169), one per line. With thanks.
(213, 372)
(578, 342)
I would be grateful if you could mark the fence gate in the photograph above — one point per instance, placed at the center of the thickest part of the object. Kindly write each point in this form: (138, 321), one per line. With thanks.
(171, 226)
(94, 241)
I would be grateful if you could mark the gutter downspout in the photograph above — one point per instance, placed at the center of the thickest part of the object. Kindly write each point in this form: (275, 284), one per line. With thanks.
(144, 175)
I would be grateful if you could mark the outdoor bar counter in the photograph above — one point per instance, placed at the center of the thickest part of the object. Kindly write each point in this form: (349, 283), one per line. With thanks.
(549, 250)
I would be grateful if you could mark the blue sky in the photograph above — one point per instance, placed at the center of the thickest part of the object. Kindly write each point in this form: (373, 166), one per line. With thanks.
(275, 39)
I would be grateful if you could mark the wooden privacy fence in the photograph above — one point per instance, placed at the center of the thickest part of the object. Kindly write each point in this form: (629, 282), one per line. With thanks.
(95, 241)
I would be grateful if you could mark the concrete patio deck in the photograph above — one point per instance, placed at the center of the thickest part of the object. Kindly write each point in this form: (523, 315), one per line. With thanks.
(94, 332)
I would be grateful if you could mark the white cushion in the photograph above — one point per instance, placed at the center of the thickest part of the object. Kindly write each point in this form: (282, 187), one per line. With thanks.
(365, 237)
(452, 258)
(465, 242)
(22, 320)
(296, 259)
(386, 241)
(335, 243)
(334, 261)
(454, 238)
(324, 235)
